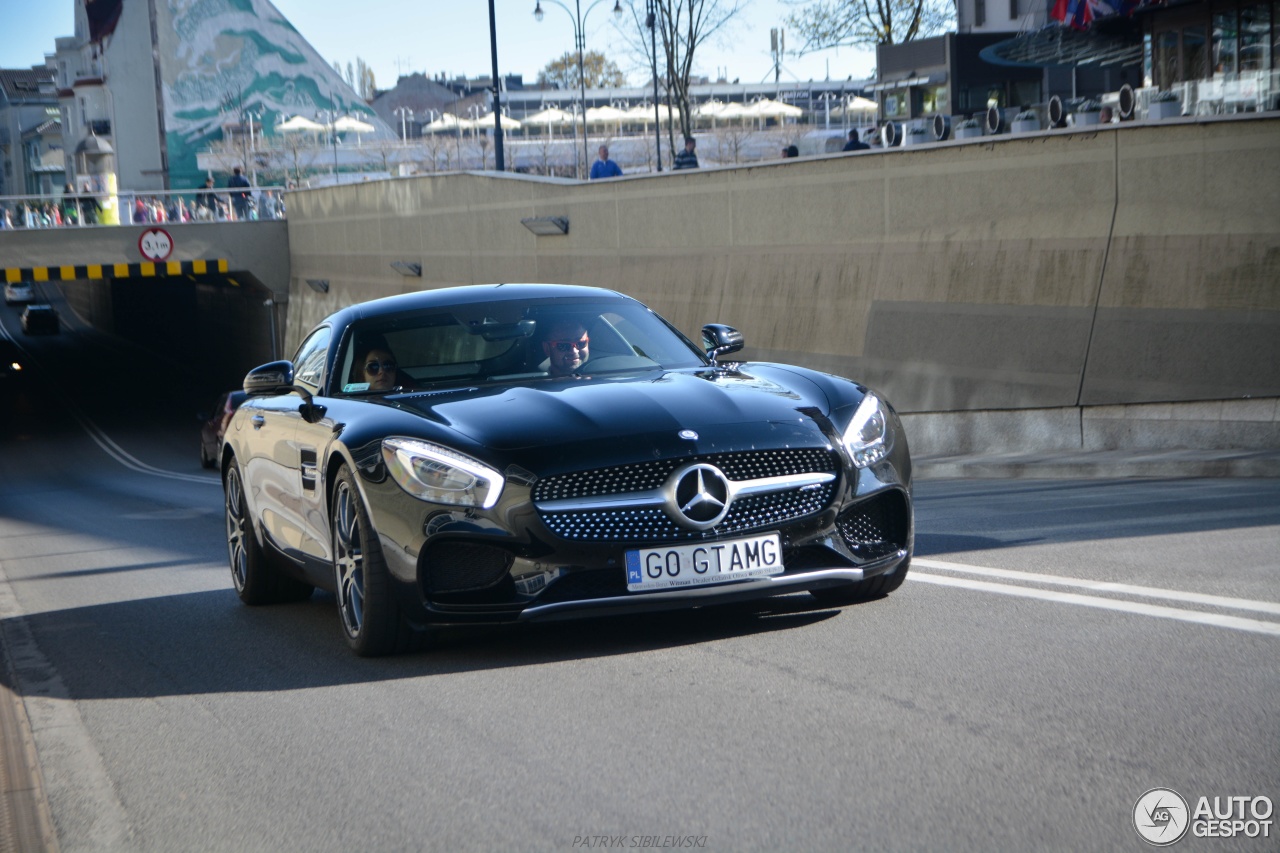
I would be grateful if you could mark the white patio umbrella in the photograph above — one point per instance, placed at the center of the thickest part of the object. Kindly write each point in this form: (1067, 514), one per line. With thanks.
(299, 123)
(605, 115)
(354, 125)
(731, 111)
(508, 123)
(856, 105)
(448, 121)
(549, 116)
(769, 108)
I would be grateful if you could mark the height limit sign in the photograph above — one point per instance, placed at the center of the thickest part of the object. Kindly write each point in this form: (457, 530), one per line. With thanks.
(155, 244)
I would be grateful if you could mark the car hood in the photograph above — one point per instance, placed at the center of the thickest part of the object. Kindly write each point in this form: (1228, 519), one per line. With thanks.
(727, 410)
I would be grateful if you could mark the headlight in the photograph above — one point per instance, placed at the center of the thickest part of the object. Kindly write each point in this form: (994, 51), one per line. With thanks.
(867, 436)
(434, 473)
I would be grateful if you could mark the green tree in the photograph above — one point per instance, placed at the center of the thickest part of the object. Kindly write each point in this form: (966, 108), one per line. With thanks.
(601, 72)
(841, 23)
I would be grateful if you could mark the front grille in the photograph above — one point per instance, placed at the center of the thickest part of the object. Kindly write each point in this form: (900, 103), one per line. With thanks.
(875, 528)
(651, 524)
(462, 566)
(749, 465)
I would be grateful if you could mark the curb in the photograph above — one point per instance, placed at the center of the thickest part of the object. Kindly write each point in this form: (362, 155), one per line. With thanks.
(25, 821)
(1112, 464)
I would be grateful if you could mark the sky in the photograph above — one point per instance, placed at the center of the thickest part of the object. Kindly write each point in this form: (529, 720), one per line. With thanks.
(397, 37)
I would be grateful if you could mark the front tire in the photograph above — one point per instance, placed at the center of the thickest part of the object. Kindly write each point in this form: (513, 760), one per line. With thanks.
(371, 620)
(255, 579)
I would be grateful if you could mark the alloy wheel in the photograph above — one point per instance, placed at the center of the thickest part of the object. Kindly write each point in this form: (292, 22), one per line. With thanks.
(348, 560)
(237, 530)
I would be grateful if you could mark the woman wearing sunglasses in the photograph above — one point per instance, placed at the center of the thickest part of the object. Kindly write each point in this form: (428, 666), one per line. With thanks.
(376, 365)
(566, 345)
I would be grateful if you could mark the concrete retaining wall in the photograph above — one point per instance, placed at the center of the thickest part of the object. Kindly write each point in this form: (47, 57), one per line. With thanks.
(1127, 265)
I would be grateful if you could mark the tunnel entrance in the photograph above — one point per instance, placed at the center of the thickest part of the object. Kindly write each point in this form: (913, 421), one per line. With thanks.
(218, 325)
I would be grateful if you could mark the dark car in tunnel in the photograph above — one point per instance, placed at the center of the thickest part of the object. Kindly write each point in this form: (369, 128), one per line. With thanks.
(40, 319)
(214, 424)
(511, 453)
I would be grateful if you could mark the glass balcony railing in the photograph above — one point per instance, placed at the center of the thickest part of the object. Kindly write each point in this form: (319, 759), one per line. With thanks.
(138, 207)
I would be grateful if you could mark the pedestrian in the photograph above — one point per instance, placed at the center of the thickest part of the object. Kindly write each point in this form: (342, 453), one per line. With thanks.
(790, 151)
(688, 158)
(207, 202)
(70, 206)
(89, 207)
(855, 143)
(239, 196)
(604, 167)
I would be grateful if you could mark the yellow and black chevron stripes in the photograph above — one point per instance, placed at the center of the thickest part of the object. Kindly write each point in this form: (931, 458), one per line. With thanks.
(100, 271)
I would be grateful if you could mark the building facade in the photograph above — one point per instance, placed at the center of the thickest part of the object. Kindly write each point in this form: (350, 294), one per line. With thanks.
(31, 161)
(159, 80)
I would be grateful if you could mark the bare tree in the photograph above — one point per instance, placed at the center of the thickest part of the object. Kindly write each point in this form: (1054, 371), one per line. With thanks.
(730, 142)
(839, 23)
(682, 25)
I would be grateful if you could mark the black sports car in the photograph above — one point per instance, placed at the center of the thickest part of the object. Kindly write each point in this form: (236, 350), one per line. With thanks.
(506, 453)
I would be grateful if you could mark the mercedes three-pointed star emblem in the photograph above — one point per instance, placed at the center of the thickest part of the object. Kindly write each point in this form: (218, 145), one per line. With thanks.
(700, 497)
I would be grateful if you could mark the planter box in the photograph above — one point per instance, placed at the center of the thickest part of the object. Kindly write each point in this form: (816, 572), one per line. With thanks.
(966, 132)
(1157, 110)
(1086, 119)
(1025, 125)
(910, 138)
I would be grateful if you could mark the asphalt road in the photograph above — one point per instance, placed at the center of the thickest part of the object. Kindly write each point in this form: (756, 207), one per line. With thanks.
(1060, 649)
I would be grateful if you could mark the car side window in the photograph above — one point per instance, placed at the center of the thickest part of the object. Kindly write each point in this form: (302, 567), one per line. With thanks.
(308, 364)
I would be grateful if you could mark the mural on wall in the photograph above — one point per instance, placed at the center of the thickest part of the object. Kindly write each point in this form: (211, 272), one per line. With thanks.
(223, 59)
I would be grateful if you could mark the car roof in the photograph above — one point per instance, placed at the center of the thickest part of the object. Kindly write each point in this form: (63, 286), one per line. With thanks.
(467, 295)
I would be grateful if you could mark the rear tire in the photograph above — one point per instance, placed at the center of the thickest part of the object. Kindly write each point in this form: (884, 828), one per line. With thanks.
(876, 587)
(371, 620)
(254, 577)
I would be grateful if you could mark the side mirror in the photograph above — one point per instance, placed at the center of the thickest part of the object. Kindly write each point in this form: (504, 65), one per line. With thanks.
(720, 340)
(269, 379)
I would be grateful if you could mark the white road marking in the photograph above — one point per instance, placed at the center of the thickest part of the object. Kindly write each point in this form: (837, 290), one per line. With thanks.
(1104, 586)
(1236, 623)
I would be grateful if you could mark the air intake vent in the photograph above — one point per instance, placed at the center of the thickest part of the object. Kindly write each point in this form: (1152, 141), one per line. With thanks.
(463, 567)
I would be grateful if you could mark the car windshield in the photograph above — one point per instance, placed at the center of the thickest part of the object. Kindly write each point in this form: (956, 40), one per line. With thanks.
(484, 343)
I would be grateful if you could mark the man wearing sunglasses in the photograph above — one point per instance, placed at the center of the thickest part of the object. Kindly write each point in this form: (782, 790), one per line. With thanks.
(566, 345)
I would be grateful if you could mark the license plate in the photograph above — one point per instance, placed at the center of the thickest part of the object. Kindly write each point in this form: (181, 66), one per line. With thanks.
(704, 563)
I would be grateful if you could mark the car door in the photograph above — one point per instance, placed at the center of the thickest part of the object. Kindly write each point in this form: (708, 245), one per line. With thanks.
(314, 433)
(275, 467)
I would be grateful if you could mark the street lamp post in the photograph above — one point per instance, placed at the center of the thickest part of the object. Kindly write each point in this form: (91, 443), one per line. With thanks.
(497, 92)
(403, 112)
(580, 40)
(651, 21)
(253, 158)
(332, 117)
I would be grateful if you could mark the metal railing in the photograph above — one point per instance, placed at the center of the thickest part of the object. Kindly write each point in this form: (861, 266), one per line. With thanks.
(139, 207)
